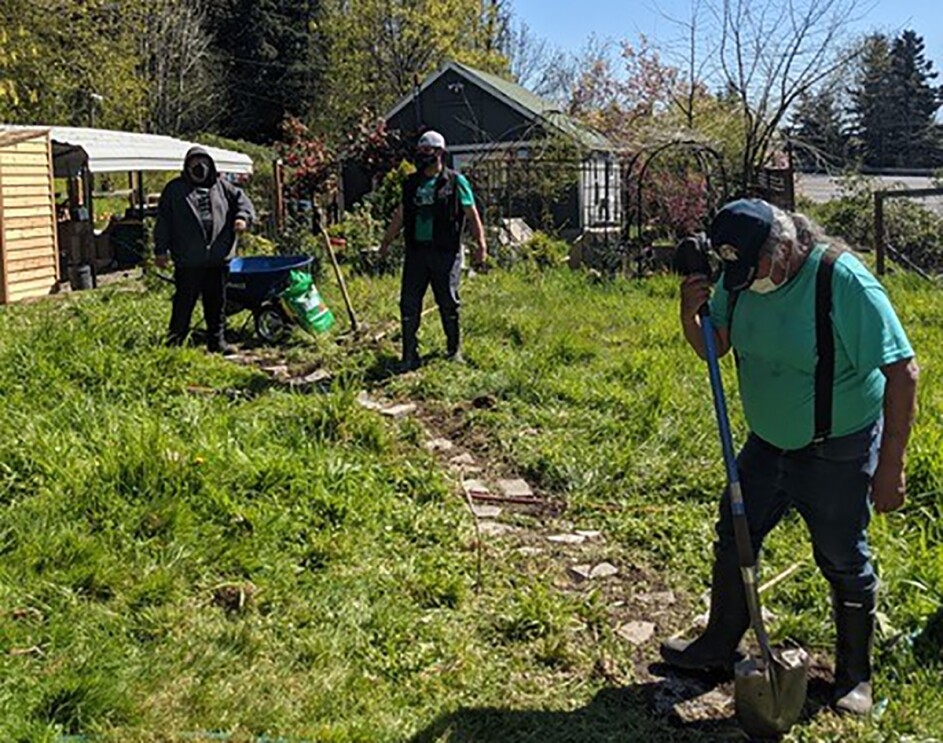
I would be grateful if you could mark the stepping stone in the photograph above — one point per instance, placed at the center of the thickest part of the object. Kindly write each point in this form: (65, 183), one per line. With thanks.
(604, 570)
(365, 401)
(588, 533)
(475, 486)
(515, 488)
(638, 633)
(318, 375)
(566, 539)
(486, 512)
(399, 411)
(580, 573)
(662, 598)
(494, 528)
(462, 459)
(280, 370)
(439, 444)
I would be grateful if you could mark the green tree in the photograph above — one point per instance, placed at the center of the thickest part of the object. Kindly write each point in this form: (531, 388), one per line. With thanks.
(272, 53)
(873, 120)
(818, 131)
(895, 103)
(379, 49)
(70, 63)
(915, 102)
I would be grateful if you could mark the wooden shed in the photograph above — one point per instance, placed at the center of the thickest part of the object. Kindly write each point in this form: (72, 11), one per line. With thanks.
(29, 255)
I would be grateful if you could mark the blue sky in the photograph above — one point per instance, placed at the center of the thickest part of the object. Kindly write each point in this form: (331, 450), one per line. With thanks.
(567, 24)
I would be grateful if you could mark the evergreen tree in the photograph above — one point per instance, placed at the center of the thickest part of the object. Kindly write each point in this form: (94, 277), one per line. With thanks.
(895, 103)
(273, 60)
(817, 131)
(914, 101)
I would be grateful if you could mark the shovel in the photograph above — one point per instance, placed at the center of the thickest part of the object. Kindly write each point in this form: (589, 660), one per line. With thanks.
(769, 691)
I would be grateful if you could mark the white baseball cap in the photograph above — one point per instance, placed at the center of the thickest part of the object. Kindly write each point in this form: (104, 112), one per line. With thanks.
(432, 139)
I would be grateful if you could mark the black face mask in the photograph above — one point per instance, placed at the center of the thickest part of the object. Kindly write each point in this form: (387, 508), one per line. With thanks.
(199, 171)
(426, 160)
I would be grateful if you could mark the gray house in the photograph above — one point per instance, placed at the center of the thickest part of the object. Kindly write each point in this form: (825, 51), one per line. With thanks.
(497, 131)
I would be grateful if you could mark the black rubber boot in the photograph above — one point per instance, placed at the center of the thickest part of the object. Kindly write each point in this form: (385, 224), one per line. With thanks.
(410, 330)
(854, 624)
(715, 651)
(452, 331)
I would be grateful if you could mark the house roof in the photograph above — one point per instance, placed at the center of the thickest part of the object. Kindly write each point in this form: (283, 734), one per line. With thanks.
(107, 151)
(522, 100)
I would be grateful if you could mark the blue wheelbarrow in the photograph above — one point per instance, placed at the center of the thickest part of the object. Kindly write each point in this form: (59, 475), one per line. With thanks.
(254, 284)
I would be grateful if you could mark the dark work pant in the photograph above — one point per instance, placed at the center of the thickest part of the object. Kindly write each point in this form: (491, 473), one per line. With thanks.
(423, 266)
(192, 283)
(829, 485)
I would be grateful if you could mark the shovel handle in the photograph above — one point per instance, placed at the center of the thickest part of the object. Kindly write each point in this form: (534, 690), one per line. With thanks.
(741, 527)
(340, 280)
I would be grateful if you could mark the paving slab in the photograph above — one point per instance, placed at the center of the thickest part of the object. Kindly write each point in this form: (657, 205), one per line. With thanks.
(486, 512)
(637, 633)
(566, 539)
(603, 570)
(515, 488)
(399, 411)
(365, 401)
(475, 486)
(656, 598)
(439, 444)
(315, 377)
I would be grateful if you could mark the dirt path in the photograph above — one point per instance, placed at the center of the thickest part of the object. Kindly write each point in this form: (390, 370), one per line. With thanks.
(517, 523)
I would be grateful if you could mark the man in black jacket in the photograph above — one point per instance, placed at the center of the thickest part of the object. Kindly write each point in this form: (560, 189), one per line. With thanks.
(436, 203)
(198, 217)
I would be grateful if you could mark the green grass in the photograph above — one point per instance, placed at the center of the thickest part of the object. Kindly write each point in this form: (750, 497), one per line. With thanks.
(260, 562)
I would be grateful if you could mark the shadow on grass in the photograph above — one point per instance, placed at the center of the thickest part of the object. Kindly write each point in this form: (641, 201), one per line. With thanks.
(615, 714)
(643, 712)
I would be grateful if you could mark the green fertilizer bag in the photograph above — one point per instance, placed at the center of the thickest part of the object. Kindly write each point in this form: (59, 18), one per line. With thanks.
(303, 302)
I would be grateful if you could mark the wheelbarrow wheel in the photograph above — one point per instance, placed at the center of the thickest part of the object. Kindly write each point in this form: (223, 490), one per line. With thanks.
(271, 323)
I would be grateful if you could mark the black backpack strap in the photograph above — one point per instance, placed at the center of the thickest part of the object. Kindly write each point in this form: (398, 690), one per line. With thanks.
(824, 346)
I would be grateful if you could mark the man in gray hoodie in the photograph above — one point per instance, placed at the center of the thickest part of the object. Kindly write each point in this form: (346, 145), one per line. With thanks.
(198, 217)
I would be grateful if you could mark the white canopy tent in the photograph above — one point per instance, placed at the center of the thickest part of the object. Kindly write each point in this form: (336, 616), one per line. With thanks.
(107, 151)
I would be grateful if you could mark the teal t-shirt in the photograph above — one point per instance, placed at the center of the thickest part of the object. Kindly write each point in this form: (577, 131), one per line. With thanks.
(425, 200)
(774, 335)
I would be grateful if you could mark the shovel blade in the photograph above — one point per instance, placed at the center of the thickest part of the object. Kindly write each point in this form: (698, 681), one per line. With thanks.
(770, 698)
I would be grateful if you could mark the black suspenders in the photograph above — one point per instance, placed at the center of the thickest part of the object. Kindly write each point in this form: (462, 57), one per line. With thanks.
(824, 346)
(824, 343)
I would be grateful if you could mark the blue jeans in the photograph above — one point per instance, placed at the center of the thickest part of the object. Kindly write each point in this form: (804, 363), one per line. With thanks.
(829, 485)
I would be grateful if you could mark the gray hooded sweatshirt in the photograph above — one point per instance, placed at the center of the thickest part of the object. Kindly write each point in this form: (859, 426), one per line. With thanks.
(195, 221)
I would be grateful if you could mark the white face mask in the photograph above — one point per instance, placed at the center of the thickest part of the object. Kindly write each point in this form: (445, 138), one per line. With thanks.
(765, 285)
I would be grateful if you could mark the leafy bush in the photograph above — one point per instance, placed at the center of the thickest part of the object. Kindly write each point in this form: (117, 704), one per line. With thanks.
(544, 250)
(389, 194)
(251, 244)
(297, 239)
(910, 227)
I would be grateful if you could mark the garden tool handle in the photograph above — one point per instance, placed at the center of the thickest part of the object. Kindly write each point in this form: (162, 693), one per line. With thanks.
(741, 528)
(340, 280)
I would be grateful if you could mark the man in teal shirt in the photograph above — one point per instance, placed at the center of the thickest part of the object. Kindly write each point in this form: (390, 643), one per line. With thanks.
(765, 309)
(436, 203)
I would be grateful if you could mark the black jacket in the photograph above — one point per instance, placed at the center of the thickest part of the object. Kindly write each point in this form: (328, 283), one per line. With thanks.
(179, 231)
